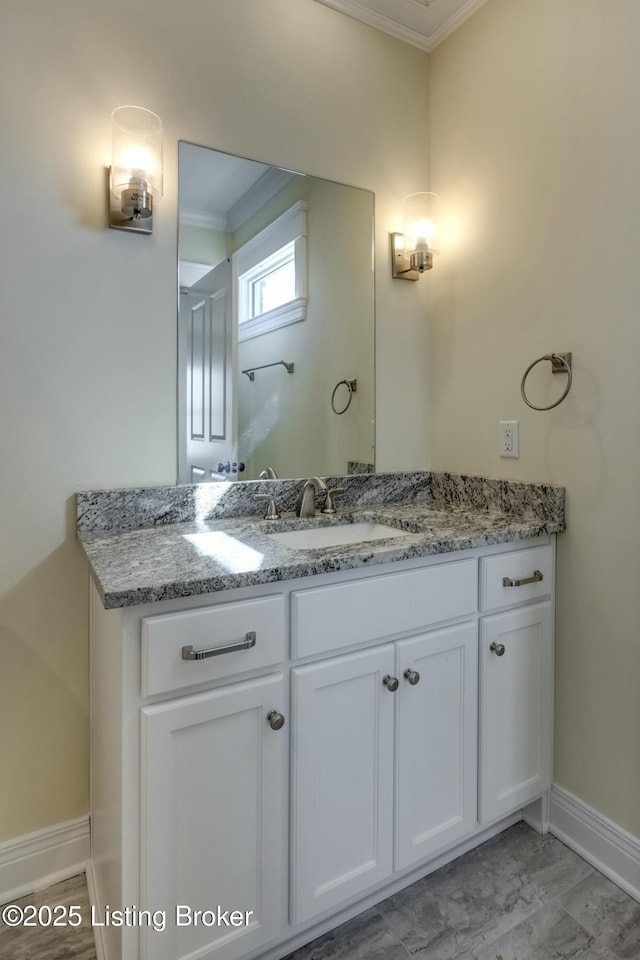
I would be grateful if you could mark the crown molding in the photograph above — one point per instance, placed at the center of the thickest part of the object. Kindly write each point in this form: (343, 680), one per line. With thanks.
(462, 13)
(389, 24)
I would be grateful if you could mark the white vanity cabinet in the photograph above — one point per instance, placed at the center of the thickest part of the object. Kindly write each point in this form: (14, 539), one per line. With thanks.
(213, 780)
(342, 780)
(213, 787)
(190, 782)
(436, 742)
(408, 737)
(516, 680)
(383, 763)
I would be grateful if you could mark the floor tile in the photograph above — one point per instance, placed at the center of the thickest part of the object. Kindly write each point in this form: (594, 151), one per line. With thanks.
(519, 896)
(366, 937)
(482, 895)
(550, 934)
(52, 943)
(544, 864)
(607, 912)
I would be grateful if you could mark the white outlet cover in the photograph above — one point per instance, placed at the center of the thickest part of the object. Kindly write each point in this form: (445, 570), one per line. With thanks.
(509, 439)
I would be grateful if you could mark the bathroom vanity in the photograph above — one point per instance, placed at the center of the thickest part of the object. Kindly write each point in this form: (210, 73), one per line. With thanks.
(324, 725)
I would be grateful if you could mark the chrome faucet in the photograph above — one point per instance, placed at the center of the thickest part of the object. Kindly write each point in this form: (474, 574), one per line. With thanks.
(268, 474)
(307, 505)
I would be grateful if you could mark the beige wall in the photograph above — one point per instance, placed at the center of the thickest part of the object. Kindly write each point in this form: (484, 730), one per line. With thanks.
(88, 316)
(535, 133)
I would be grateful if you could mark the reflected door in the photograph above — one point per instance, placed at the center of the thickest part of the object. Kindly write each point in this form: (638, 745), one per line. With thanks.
(208, 417)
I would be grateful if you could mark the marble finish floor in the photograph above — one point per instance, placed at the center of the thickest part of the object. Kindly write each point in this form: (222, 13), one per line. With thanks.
(519, 896)
(52, 943)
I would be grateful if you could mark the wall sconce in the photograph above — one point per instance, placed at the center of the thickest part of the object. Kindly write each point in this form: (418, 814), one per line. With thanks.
(135, 175)
(412, 251)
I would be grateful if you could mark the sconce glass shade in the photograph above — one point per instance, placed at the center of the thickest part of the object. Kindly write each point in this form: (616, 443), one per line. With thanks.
(421, 229)
(136, 161)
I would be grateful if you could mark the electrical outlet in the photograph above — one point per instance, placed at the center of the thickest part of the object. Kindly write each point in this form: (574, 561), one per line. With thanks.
(509, 438)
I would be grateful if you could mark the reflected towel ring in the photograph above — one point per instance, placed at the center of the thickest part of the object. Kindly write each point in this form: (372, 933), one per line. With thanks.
(560, 363)
(352, 386)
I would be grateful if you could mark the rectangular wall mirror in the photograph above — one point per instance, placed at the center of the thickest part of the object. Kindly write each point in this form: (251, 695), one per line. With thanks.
(275, 322)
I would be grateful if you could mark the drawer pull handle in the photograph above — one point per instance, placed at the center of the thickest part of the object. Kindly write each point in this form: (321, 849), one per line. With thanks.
(188, 653)
(391, 683)
(536, 578)
(498, 649)
(412, 676)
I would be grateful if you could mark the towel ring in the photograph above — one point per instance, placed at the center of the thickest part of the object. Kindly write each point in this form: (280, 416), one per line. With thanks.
(560, 363)
(351, 386)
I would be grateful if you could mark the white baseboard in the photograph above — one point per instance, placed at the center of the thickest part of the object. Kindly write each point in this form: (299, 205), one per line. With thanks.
(39, 859)
(602, 843)
(536, 814)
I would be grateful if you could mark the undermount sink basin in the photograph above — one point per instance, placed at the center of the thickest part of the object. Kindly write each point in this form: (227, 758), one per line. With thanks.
(336, 536)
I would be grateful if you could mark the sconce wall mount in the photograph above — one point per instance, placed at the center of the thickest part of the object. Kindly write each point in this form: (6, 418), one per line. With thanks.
(135, 175)
(400, 263)
(412, 251)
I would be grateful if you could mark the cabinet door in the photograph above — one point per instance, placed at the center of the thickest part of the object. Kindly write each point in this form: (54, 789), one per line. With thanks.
(437, 742)
(342, 768)
(516, 708)
(214, 821)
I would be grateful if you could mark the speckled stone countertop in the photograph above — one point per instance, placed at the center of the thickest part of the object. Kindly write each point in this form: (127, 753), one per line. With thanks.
(166, 542)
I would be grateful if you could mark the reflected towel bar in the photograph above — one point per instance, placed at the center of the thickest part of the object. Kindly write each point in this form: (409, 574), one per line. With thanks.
(250, 371)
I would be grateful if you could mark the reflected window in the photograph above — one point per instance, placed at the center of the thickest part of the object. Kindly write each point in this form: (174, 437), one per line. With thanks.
(271, 271)
(272, 283)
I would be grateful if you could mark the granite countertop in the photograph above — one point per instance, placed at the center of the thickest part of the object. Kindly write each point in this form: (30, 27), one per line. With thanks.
(161, 543)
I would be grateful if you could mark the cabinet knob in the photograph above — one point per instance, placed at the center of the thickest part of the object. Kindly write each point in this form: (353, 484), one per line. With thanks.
(275, 720)
(412, 676)
(391, 683)
(498, 649)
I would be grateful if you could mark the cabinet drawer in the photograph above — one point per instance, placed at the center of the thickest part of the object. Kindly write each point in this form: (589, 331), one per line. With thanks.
(518, 566)
(333, 617)
(211, 628)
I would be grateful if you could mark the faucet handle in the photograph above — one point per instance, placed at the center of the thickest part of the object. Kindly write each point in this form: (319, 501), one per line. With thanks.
(328, 503)
(272, 510)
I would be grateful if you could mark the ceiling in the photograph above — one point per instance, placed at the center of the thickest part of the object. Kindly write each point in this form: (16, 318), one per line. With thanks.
(423, 23)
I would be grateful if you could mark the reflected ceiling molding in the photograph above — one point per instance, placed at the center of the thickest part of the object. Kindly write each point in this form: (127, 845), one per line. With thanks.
(190, 272)
(422, 23)
(269, 184)
(221, 194)
(210, 221)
